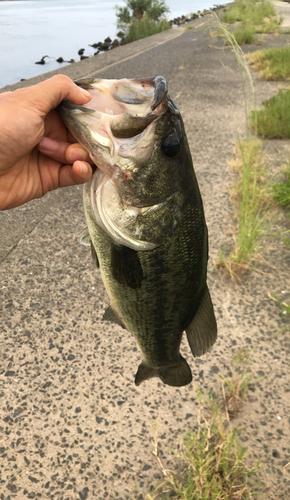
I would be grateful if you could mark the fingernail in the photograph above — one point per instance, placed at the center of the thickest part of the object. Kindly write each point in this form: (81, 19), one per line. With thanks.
(84, 169)
(86, 93)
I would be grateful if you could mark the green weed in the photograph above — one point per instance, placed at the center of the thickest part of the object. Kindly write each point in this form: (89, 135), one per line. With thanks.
(254, 16)
(272, 64)
(273, 119)
(214, 462)
(235, 391)
(249, 12)
(281, 190)
(145, 27)
(251, 199)
(284, 306)
(245, 35)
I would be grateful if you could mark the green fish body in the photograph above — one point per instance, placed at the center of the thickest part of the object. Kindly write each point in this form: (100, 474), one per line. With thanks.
(146, 223)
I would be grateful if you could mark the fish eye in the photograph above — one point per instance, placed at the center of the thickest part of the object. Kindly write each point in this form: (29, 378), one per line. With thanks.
(171, 145)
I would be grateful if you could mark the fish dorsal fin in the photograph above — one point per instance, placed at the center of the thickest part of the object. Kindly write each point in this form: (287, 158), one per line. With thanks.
(126, 266)
(85, 238)
(175, 376)
(110, 315)
(94, 256)
(202, 331)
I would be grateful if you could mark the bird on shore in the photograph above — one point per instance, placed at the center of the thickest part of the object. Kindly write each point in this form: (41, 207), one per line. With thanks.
(42, 60)
(61, 60)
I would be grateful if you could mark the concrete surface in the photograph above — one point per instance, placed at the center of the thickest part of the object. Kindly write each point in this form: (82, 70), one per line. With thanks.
(72, 423)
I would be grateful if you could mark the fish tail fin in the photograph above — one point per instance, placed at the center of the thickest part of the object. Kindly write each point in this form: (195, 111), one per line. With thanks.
(176, 376)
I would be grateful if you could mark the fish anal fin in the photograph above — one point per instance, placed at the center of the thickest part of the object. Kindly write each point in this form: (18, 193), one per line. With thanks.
(85, 238)
(175, 376)
(202, 331)
(110, 315)
(145, 372)
(94, 256)
(126, 266)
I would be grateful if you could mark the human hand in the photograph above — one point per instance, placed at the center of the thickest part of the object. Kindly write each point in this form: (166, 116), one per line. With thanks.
(27, 119)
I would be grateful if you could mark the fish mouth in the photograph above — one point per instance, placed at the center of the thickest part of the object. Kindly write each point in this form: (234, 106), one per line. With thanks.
(121, 114)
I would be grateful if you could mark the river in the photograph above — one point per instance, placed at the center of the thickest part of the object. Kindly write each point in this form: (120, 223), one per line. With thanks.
(30, 29)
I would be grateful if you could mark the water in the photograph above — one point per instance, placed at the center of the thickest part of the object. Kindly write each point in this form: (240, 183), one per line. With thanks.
(30, 29)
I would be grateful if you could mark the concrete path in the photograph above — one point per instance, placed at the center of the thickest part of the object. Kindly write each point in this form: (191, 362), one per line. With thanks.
(72, 423)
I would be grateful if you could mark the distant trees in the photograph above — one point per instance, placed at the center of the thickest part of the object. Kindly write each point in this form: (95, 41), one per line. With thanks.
(136, 10)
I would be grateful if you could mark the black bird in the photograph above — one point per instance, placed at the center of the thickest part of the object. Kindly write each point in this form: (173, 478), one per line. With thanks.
(42, 61)
(80, 52)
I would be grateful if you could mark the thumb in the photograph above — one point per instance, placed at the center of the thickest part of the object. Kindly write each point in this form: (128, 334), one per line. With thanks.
(48, 95)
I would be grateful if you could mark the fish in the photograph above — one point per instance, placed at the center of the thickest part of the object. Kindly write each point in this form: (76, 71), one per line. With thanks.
(145, 221)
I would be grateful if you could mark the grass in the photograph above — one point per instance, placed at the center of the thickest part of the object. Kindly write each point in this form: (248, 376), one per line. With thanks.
(250, 195)
(254, 17)
(250, 189)
(145, 27)
(245, 35)
(214, 462)
(273, 119)
(284, 306)
(249, 12)
(235, 389)
(236, 384)
(281, 190)
(272, 64)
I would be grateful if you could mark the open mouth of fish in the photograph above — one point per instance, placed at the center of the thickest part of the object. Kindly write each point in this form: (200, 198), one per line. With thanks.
(118, 129)
(119, 121)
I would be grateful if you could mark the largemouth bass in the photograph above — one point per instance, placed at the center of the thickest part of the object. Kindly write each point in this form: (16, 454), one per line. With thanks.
(146, 224)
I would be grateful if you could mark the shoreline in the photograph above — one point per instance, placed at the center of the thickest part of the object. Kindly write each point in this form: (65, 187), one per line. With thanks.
(107, 59)
(179, 21)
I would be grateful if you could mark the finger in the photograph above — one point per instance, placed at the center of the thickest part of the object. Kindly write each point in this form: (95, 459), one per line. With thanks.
(48, 94)
(62, 151)
(54, 149)
(79, 173)
(76, 152)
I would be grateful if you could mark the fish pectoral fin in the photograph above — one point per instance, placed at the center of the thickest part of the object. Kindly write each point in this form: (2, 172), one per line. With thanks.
(85, 238)
(202, 331)
(176, 376)
(110, 315)
(126, 266)
(94, 256)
